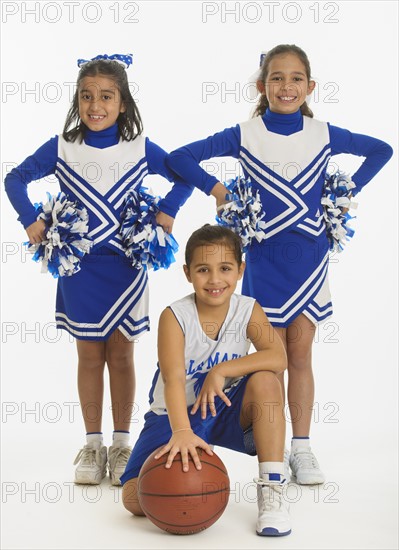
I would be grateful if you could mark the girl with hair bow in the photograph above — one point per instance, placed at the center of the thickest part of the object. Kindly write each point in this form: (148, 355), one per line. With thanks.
(104, 304)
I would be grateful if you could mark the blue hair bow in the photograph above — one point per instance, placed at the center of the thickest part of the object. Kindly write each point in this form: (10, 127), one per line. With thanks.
(124, 59)
(262, 58)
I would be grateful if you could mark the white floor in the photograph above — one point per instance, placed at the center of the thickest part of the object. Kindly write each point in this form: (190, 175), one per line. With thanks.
(42, 509)
(354, 435)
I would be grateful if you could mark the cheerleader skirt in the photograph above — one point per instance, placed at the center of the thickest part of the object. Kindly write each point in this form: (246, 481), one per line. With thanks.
(288, 276)
(106, 294)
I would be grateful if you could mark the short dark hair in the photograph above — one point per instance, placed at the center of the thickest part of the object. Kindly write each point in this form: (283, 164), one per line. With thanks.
(129, 122)
(213, 234)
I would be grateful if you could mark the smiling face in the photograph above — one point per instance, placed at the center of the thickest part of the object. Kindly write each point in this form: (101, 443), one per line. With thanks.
(214, 273)
(100, 102)
(287, 84)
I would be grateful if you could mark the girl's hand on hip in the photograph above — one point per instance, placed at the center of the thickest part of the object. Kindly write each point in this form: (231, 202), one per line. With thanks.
(212, 387)
(345, 210)
(184, 442)
(219, 191)
(36, 232)
(165, 221)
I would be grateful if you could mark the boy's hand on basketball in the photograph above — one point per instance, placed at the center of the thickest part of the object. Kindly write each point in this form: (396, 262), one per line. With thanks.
(184, 442)
(165, 221)
(212, 387)
(36, 232)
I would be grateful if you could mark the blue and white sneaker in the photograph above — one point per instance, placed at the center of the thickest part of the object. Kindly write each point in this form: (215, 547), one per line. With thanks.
(273, 515)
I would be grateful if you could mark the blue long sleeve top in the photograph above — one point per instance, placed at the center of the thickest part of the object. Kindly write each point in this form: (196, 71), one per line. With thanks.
(43, 163)
(185, 160)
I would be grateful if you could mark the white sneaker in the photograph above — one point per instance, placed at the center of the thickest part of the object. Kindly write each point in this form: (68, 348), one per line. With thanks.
(273, 515)
(117, 460)
(287, 465)
(92, 466)
(305, 467)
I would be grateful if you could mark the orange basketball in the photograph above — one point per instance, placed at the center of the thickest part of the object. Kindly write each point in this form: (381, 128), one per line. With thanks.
(183, 502)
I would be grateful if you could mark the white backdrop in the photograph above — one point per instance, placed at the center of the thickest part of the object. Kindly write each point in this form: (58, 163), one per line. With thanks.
(189, 78)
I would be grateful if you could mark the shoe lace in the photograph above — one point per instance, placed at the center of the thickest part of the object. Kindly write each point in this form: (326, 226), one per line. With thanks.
(88, 456)
(119, 454)
(272, 494)
(306, 459)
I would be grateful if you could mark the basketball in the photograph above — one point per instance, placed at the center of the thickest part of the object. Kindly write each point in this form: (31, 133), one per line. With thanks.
(180, 502)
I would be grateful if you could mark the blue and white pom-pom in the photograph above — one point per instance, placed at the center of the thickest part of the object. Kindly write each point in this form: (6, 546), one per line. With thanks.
(66, 240)
(244, 212)
(146, 243)
(337, 196)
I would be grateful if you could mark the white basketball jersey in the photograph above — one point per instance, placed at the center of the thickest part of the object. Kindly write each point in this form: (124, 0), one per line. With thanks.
(201, 352)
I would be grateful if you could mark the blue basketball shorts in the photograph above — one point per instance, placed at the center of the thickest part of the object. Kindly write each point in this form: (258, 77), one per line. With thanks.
(223, 430)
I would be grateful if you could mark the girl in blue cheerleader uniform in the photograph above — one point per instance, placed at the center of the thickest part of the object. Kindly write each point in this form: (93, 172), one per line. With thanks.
(285, 152)
(100, 155)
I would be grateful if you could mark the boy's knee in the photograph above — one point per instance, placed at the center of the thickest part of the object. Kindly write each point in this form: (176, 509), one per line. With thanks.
(134, 508)
(263, 383)
(266, 385)
(130, 498)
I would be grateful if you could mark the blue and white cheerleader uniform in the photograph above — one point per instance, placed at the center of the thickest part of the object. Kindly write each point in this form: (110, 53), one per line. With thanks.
(201, 353)
(285, 156)
(107, 293)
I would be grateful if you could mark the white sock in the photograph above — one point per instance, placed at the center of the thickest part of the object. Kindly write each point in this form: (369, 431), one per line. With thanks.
(266, 468)
(297, 442)
(120, 439)
(95, 440)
